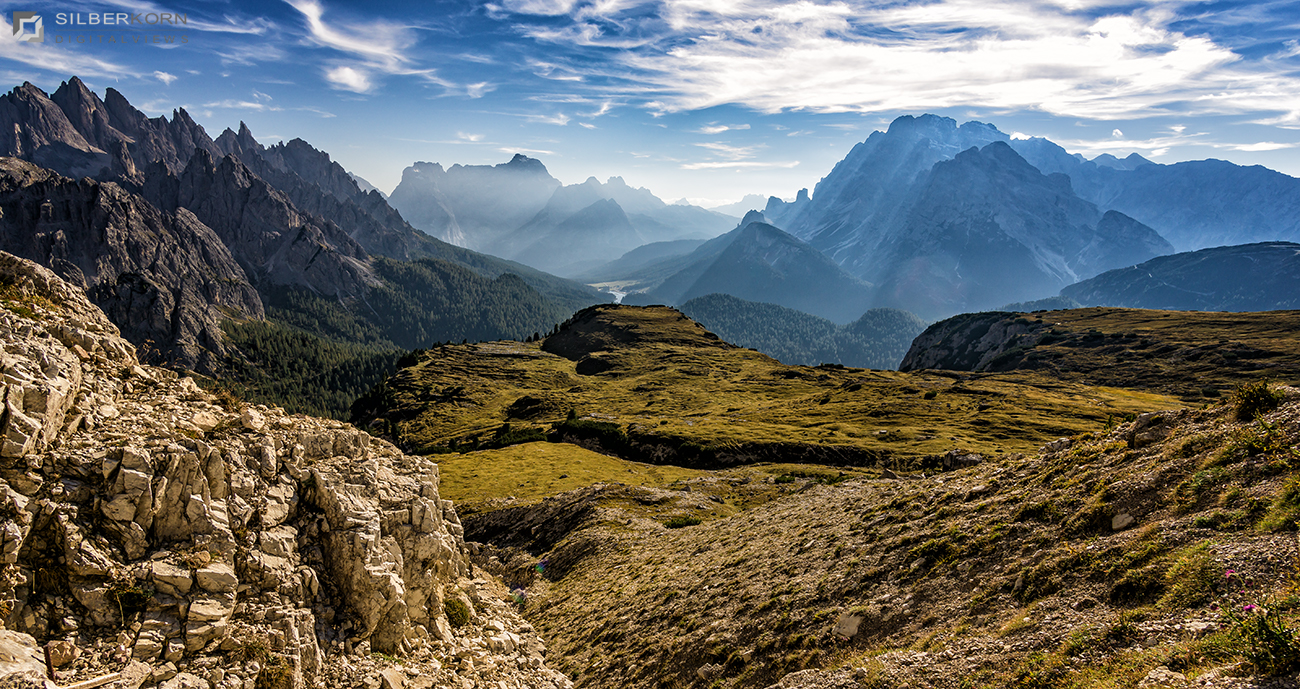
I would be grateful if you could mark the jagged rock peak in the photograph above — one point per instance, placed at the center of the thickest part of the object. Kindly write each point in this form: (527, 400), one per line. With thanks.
(753, 217)
(523, 163)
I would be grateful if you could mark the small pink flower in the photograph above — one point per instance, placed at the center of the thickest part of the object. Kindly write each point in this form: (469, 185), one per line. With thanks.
(1248, 607)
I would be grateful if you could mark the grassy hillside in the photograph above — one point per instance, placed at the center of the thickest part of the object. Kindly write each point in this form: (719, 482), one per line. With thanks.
(1193, 355)
(878, 339)
(741, 520)
(649, 384)
(1099, 561)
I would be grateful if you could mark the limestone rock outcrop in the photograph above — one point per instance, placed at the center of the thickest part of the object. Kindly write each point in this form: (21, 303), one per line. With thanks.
(221, 546)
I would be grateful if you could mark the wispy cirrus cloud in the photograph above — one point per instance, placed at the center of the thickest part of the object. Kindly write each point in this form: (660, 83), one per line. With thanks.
(59, 62)
(230, 23)
(1077, 58)
(372, 49)
(1177, 137)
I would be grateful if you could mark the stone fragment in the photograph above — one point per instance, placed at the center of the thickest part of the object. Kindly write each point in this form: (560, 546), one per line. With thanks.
(846, 627)
(204, 420)
(209, 610)
(174, 651)
(1162, 676)
(62, 653)
(170, 579)
(148, 646)
(391, 678)
(1121, 521)
(252, 419)
(217, 577)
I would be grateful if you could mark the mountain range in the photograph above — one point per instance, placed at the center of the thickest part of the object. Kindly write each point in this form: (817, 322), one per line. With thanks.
(182, 238)
(1249, 277)
(187, 239)
(518, 210)
(945, 218)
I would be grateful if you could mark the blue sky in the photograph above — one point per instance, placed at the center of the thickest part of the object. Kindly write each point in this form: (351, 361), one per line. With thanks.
(704, 99)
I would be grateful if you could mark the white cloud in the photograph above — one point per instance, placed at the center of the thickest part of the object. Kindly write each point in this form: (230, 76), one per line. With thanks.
(374, 48)
(1058, 57)
(1160, 145)
(719, 128)
(470, 137)
(165, 77)
(1117, 134)
(533, 151)
(730, 152)
(477, 90)
(238, 105)
(542, 7)
(586, 125)
(381, 42)
(559, 119)
(350, 78)
(1261, 146)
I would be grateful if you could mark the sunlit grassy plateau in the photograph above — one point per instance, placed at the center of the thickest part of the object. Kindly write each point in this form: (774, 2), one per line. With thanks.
(707, 517)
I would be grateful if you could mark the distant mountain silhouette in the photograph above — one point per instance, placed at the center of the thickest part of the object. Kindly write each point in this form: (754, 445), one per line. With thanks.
(759, 262)
(1194, 204)
(1249, 277)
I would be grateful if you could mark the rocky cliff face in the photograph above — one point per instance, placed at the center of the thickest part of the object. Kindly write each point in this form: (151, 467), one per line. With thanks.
(164, 275)
(971, 341)
(147, 530)
(271, 239)
(945, 219)
(74, 132)
(987, 228)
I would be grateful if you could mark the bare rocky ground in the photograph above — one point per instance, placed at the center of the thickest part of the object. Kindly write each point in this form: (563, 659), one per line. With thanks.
(153, 531)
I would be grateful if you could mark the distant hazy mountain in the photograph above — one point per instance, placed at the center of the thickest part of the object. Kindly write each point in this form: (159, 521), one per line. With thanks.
(781, 213)
(945, 218)
(986, 228)
(519, 211)
(473, 205)
(630, 265)
(570, 243)
(1250, 277)
(751, 202)
(856, 207)
(365, 185)
(1194, 204)
(759, 262)
(878, 339)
